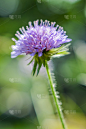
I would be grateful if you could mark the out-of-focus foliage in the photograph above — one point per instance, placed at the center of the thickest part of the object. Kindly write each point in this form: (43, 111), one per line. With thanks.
(24, 100)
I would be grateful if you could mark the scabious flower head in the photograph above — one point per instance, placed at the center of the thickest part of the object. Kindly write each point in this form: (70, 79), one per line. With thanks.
(42, 41)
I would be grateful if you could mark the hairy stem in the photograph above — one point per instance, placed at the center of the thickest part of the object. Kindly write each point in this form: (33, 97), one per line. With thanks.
(55, 98)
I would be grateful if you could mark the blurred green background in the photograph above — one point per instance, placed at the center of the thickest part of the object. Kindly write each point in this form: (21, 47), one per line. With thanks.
(25, 102)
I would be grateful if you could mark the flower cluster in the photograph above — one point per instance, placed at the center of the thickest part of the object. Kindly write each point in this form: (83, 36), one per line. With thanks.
(41, 41)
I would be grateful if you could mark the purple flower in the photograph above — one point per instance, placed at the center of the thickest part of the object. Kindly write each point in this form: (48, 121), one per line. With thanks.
(39, 39)
(42, 42)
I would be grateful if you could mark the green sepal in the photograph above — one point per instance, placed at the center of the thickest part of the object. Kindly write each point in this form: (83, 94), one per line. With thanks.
(43, 61)
(61, 54)
(31, 61)
(47, 55)
(34, 67)
(39, 65)
(63, 50)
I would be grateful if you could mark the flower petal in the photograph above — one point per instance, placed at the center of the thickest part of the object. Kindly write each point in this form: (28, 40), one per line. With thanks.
(40, 54)
(15, 54)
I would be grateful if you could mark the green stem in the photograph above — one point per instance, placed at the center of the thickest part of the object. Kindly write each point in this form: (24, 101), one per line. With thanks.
(54, 95)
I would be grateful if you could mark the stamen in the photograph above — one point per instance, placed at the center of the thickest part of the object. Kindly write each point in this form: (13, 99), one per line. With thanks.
(52, 24)
(57, 26)
(46, 22)
(30, 24)
(27, 27)
(18, 33)
(60, 29)
(36, 23)
(14, 40)
(17, 36)
(41, 22)
(21, 30)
